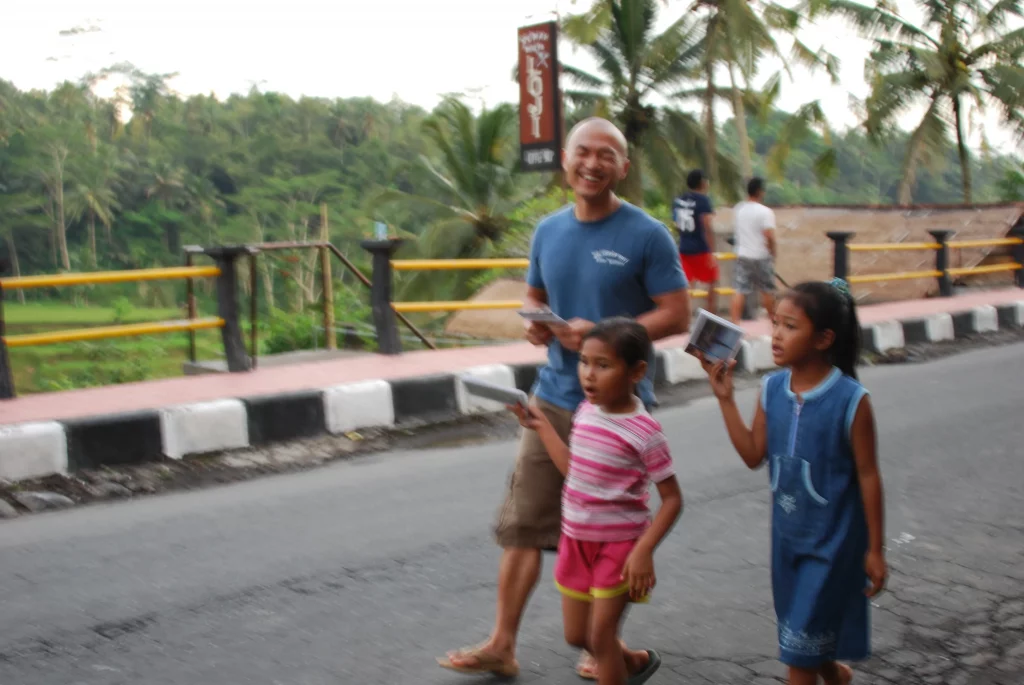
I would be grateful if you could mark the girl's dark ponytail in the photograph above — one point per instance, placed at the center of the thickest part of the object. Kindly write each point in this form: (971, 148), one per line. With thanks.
(831, 307)
(846, 349)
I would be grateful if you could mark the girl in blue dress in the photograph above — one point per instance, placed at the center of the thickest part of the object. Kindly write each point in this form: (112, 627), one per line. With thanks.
(815, 428)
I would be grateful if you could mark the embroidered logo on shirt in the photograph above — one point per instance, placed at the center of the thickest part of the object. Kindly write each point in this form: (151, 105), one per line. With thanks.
(787, 502)
(609, 257)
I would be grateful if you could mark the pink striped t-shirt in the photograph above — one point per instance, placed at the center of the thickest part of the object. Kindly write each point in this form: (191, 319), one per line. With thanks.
(613, 460)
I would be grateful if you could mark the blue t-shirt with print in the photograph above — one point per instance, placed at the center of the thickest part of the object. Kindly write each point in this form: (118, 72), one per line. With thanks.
(596, 270)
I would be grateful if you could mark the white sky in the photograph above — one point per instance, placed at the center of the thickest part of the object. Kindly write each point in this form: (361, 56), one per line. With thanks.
(416, 50)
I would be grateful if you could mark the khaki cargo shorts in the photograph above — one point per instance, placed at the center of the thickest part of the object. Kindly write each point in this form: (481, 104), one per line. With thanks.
(531, 515)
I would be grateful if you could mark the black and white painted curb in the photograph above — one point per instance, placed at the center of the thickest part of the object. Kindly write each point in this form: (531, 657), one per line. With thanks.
(33, 450)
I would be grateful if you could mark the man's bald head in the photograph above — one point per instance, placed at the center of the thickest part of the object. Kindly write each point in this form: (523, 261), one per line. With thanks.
(600, 126)
(595, 160)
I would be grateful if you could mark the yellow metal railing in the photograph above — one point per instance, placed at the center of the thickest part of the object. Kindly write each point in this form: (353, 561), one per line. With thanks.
(932, 273)
(105, 332)
(456, 306)
(892, 247)
(98, 277)
(898, 276)
(99, 332)
(457, 264)
(989, 242)
(987, 269)
(480, 264)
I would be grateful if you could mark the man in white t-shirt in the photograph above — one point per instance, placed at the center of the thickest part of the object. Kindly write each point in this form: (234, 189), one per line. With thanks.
(754, 227)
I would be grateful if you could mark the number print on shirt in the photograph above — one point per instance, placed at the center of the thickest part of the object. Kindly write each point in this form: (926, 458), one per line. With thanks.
(684, 219)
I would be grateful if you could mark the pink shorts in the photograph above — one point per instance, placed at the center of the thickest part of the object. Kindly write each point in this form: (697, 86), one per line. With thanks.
(592, 570)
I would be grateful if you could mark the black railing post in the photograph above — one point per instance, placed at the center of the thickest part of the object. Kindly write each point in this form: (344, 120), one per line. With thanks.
(6, 374)
(942, 261)
(384, 320)
(226, 259)
(840, 253)
(1018, 251)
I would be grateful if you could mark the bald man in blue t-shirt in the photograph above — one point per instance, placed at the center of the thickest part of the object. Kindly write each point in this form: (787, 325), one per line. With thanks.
(598, 258)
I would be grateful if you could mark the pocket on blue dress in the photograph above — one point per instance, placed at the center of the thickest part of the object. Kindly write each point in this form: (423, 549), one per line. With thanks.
(799, 509)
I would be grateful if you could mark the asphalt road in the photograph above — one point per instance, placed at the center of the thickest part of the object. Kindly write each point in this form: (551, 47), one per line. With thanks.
(363, 571)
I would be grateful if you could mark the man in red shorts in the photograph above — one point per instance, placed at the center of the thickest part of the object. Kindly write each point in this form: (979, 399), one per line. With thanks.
(692, 214)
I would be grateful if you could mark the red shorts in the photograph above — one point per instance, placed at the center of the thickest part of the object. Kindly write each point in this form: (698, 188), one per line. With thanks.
(592, 570)
(700, 268)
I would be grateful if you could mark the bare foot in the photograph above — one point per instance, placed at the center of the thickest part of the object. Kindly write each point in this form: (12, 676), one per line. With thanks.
(641, 665)
(636, 660)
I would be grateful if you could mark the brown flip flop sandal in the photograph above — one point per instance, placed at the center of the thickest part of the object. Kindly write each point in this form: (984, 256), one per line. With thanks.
(586, 667)
(485, 663)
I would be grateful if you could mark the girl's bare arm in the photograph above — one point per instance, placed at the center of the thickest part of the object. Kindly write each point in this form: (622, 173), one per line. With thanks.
(865, 453)
(556, 447)
(750, 443)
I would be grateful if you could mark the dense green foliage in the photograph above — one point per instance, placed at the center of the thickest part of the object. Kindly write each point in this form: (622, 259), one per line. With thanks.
(256, 168)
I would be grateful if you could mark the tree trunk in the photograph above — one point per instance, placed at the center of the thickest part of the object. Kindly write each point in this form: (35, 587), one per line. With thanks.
(92, 239)
(12, 249)
(62, 235)
(633, 185)
(914, 147)
(263, 267)
(268, 284)
(961, 148)
(740, 115)
(710, 134)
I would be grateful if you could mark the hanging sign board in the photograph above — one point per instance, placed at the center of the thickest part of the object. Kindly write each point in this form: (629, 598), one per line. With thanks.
(540, 116)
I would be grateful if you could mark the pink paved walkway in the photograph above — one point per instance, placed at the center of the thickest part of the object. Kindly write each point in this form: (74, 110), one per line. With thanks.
(162, 393)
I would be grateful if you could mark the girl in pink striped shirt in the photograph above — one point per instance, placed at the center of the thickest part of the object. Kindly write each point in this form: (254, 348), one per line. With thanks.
(605, 556)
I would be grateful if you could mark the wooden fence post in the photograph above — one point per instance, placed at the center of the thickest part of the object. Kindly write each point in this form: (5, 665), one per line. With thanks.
(327, 281)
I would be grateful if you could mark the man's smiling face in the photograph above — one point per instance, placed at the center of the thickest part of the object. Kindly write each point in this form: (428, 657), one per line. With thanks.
(595, 160)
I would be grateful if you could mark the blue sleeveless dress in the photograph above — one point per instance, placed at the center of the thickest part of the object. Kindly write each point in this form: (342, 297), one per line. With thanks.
(819, 533)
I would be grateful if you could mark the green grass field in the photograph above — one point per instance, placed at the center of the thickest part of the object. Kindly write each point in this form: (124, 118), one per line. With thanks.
(59, 313)
(65, 366)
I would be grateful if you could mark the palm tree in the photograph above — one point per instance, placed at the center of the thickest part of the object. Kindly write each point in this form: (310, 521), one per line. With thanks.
(93, 194)
(470, 191)
(19, 211)
(960, 60)
(737, 35)
(166, 185)
(634, 65)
